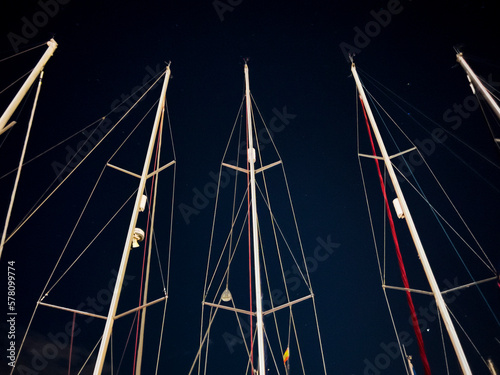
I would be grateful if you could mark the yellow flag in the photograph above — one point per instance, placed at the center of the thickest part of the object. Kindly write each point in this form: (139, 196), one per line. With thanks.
(286, 355)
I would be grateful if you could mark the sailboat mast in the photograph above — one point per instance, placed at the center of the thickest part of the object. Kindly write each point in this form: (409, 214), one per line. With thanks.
(128, 243)
(413, 231)
(255, 238)
(51, 47)
(478, 84)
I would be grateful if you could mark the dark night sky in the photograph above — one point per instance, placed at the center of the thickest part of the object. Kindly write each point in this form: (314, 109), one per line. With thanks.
(296, 62)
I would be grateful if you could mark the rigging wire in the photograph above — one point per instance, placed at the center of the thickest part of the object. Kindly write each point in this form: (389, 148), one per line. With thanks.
(264, 263)
(234, 202)
(468, 338)
(226, 244)
(166, 288)
(443, 342)
(161, 337)
(89, 356)
(17, 80)
(71, 343)
(126, 344)
(24, 51)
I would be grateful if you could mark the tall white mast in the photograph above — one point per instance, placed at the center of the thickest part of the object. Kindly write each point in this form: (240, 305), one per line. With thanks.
(255, 239)
(51, 47)
(478, 85)
(413, 231)
(128, 243)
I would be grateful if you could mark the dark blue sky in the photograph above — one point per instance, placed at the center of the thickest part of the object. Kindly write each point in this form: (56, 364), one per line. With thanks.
(298, 67)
